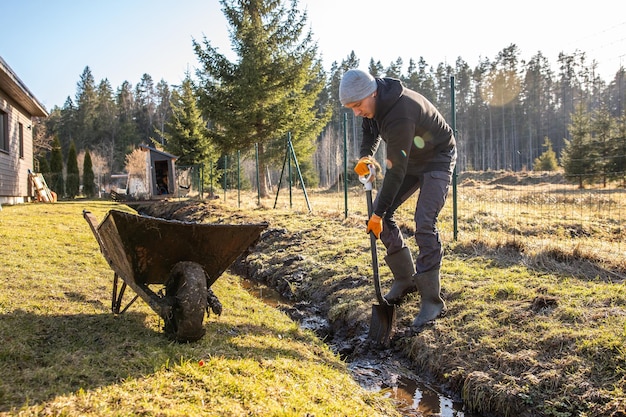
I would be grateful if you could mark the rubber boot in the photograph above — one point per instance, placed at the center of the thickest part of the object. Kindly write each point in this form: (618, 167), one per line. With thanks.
(432, 305)
(403, 268)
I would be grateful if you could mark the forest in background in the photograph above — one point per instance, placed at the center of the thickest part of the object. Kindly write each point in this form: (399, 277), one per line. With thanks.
(506, 110)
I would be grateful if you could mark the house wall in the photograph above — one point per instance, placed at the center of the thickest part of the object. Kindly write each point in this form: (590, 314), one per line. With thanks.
(14, 181)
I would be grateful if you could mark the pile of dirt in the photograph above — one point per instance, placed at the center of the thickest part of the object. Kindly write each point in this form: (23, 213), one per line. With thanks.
(473, 178)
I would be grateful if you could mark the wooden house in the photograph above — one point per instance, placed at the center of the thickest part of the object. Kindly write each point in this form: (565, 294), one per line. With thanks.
(18, 107)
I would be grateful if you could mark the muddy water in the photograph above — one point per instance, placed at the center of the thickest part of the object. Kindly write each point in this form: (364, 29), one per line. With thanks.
(414, 398)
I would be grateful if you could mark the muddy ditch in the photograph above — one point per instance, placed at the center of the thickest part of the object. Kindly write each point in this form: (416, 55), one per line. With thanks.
(276, 270)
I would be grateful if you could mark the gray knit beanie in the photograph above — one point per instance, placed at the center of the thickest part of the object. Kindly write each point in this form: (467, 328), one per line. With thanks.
(355, 85)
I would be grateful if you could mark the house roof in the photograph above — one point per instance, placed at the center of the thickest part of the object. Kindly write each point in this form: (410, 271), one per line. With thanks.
(17, 90)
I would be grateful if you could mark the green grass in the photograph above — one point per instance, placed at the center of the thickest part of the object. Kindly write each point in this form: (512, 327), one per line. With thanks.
(64, 353)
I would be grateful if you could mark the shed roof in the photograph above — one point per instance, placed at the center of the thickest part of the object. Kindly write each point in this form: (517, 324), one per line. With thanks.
(11, 84)
(163, 153)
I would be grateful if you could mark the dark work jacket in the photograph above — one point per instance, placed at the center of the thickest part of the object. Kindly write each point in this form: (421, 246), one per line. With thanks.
(417, 137)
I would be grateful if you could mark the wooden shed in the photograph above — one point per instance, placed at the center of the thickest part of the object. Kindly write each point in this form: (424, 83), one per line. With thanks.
(161, 173)
(18, 107)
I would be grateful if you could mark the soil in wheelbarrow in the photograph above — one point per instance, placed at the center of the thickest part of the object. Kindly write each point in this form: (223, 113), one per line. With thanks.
(318, 271)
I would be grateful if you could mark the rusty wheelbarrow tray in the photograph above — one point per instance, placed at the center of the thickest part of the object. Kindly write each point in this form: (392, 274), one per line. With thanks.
(183, 258)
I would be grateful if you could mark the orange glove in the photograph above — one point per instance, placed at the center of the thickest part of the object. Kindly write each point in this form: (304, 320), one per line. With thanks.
(362, 167)
(375, 225)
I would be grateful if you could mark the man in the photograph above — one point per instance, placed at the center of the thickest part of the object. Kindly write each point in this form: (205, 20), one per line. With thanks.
(421, 154)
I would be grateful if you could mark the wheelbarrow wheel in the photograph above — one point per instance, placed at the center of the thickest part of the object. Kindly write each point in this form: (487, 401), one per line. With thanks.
(186, 289)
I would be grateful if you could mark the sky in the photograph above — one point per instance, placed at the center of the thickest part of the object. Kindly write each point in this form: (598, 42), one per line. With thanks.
(48, 43)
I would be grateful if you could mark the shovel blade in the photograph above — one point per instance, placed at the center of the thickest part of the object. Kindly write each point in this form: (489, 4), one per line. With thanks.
(382, 323)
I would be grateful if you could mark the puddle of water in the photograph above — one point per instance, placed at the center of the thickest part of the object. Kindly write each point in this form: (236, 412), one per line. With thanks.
(416, 399)
(413, 398)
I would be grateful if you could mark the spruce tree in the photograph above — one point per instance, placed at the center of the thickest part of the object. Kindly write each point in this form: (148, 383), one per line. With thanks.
(44, 166)
(89, 183)
(271, 90)
(55, 177)
(619, 158)
(186, 133)
(547, 160)
(605, 128)
(72, 187)
(577, 157)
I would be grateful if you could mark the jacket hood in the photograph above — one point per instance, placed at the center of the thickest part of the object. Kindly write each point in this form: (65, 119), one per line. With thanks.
(389, 92)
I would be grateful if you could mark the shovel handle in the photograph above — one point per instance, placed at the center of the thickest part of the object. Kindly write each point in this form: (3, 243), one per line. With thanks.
(367, 181)
(370, 210)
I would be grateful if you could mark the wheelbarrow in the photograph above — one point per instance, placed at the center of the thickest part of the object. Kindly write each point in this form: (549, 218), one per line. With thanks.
(182, 259)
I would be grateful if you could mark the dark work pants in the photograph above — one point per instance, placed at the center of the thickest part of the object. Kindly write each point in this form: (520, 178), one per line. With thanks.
(433, 188)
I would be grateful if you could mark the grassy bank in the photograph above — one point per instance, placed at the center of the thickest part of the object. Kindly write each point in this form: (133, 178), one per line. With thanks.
(530, 331)
(64, 353)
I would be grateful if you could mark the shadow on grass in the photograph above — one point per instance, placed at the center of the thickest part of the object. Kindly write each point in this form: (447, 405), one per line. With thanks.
(45, 356)
(42, 357)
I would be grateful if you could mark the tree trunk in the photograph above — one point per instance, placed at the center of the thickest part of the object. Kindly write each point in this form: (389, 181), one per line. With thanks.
(264, 188)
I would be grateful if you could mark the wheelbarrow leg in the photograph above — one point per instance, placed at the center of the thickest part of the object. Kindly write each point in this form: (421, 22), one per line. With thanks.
(117, 298)
(129, 304)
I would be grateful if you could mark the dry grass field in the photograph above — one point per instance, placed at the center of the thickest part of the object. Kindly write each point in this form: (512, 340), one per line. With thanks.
(543, 215)
(533, 284)
(539, 214)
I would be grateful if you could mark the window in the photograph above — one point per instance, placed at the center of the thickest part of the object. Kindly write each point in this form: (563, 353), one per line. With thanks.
(4, 131)
(21, 139)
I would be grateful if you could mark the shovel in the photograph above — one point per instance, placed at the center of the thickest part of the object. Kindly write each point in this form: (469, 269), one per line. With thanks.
(383, 314)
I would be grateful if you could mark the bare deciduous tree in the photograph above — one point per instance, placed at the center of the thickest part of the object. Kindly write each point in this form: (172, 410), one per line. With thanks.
(136, 165)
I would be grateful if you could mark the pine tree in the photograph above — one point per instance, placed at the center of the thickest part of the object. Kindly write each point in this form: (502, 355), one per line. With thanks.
(72, 187)
(106, 122)
(68, 125)
(271, 90)
(128, 136)
(89, 178)
(536, 91)
(145, 106)
(55, 178)
(163, 107)
(86, 102)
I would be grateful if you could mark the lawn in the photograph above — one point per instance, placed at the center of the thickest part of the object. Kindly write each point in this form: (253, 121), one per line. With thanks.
(64, 353)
